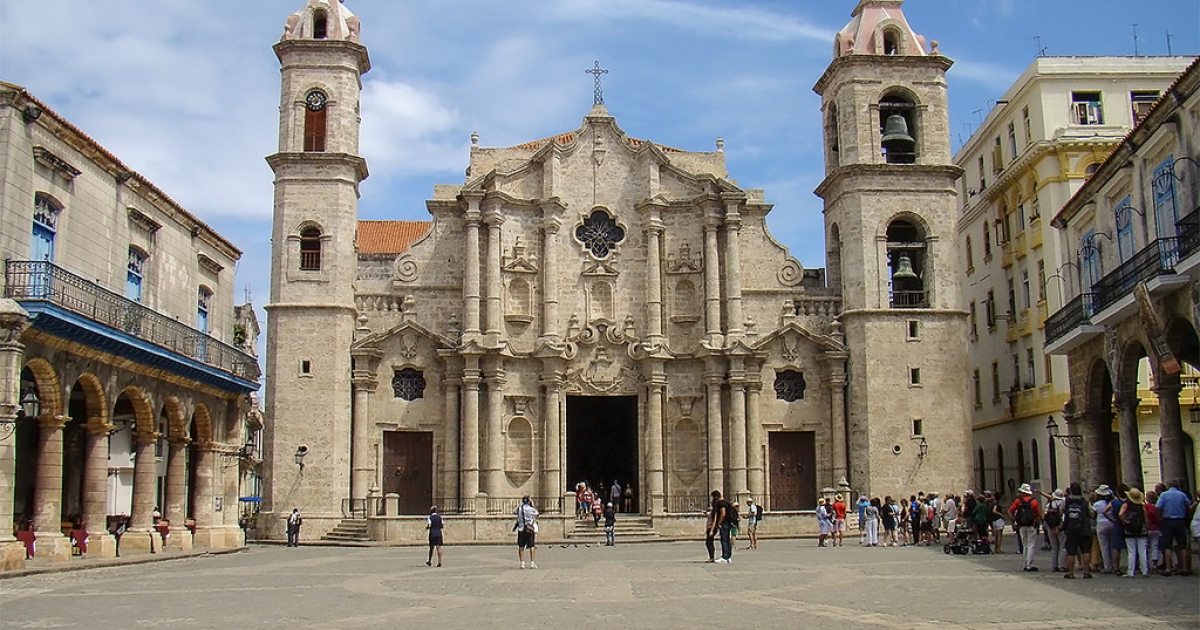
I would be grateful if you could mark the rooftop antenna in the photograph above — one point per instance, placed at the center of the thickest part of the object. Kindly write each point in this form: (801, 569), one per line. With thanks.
(1169, 36)
(1135, 46)
(247, 293)
(1041, 50)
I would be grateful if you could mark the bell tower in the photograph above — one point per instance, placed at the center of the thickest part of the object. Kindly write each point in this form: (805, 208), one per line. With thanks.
(311, 314)
(889, 193)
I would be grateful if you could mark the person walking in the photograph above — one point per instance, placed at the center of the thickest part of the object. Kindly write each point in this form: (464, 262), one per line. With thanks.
(1173, 508)
(753, 512)
(610, 525)
(710, 533)
(1026, 515)
(294, 521)
(1133, 523)
(526, 529)
(614, 494)
(861, 506)
(839, 520)
(1052, 523)
(824, 522)
(722, 525)
(435, 525)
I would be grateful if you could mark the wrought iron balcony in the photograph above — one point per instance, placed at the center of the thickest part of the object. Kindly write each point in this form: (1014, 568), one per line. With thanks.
(1077, 312)
(1156, 259)
(1187, 233)
(38, 282)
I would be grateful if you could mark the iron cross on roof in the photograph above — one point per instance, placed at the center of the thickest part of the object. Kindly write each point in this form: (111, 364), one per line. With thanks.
(596, 71)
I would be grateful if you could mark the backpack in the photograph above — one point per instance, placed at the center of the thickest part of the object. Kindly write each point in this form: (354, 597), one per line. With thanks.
(1053, 516)
(758, 512)
(1135, 521)
(731, 516)
(1024, 515)
(1076, 516)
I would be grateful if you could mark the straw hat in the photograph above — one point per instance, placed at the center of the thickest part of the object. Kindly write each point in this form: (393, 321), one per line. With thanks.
(1135, 496)
(1103, 490)
(1025, 489)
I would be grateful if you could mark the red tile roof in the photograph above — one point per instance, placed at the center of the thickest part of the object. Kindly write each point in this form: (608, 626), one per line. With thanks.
(389, 237)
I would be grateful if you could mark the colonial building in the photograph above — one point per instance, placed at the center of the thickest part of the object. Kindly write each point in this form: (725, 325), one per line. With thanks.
(1046, 135)
(125, 375)
(1134, 229)
(598, 306)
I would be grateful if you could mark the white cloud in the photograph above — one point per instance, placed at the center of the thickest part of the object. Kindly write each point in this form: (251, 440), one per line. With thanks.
(743, 22)
(405, 129)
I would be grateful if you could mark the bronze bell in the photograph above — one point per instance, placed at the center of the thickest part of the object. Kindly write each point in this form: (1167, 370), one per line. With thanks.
(895, 135)
(904, 269)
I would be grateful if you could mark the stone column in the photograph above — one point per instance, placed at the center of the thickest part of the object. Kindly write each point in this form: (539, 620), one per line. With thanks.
(495, 308)
(716, 442)
(362, 459)
(450, 466)
(712, 281)
(471, 295)
(13, 321)
(469, 479)
(652, 215)
(1131, 447)
(654, 440)
(176, 503)
(737, 430)
(47, 496)
(755, 442)
(733, 264)
(494, 465)
(836, 369)
(1095, 450)
(205, 454)
(551, 440)
(1170, 430)
(550, 228)
(141, 534)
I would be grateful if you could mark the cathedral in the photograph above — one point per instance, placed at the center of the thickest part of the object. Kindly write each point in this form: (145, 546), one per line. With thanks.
(599, 306)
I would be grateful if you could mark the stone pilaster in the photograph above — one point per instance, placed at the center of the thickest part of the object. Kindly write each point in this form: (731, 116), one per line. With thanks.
(362, 462)
(552, 456)
(836, 370)
(1096, 435)
(712, 280)
(737, 430)
(495, 307)
(176, 503)
(471, 294)
(550, 228)
(494, 482)
(207, 534)
(713, 376)
(733, 264)
(452, 392)
(652, 218)
(755, 442)
(654, 440)
(469, 479)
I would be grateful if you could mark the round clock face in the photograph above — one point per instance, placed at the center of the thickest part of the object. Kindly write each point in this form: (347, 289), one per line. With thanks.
(315, 100)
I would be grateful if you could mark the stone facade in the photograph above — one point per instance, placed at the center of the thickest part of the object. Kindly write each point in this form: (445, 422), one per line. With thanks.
(598, 306)
(125, 386)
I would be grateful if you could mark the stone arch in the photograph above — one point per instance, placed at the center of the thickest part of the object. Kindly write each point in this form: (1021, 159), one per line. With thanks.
(518, 442)
(891, 38)
(143, 411)
(1126, 377)
(1183, 342)
(46, 382)
(94, 400)
(172, 409)
(833, 256)
(908, 260)
(1096, 426)
(202, 425)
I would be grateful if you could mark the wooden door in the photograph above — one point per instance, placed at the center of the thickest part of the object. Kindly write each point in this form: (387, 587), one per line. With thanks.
(408, 469)
(792, 463)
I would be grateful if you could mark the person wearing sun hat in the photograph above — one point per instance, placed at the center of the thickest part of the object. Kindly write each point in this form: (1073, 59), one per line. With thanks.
(1104, 528)
(839, 520)
(1133, 521)
(1026, 514)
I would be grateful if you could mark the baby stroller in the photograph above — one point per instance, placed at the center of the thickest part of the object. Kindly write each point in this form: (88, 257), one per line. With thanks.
(960, 544)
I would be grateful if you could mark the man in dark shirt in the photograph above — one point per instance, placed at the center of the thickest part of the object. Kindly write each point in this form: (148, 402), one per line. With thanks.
(721, 525)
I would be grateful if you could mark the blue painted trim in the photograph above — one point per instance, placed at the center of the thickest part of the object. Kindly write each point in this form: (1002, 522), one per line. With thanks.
(71, 326)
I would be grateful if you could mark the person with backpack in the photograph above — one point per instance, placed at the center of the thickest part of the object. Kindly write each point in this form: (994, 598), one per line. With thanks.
(753, 516)
(1026, 515)
(1105, 523)
(1077, 530)
(1052, 524)
(435, 525)
(1133, 523)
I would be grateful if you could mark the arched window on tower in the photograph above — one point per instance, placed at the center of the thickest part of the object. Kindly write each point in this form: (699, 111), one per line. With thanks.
(320, 25)
(833, 128)
(314, 121)
(906, 259)
(897, 141)
(891, 41)
(310, 249)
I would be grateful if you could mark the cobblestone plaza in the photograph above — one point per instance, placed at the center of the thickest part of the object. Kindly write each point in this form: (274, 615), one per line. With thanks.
(786, 583)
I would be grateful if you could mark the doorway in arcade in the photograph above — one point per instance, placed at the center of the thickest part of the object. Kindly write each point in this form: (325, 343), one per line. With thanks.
(602, 443)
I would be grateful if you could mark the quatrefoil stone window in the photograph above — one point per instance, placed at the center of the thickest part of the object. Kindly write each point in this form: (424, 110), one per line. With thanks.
(408, 384)
(600, 233)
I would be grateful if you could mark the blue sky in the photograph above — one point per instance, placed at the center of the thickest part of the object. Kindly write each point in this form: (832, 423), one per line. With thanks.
(187, 92)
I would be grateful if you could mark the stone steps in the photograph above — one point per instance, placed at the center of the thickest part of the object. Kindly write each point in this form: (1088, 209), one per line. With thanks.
(349, 530)
(629, 527)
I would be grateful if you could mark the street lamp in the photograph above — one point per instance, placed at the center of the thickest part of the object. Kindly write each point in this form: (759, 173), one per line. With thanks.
(301, 453)
(1069, 440)
(922, 448)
